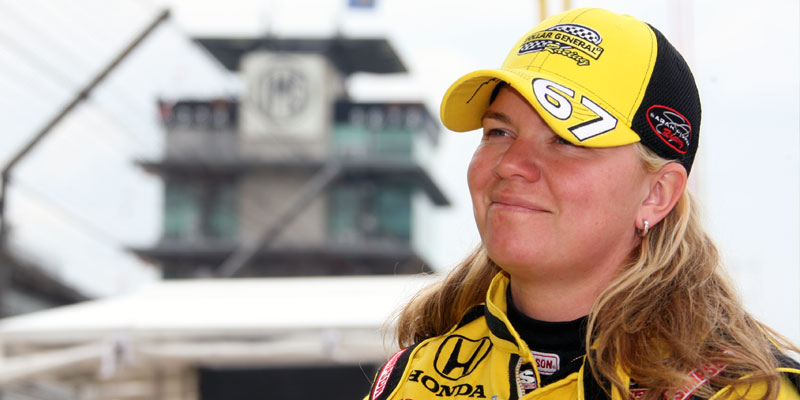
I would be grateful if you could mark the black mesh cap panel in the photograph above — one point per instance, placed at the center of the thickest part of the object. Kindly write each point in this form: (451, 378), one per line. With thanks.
(668, 120)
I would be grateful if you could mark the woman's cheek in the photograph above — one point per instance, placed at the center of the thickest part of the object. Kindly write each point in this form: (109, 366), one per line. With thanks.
(479, 175)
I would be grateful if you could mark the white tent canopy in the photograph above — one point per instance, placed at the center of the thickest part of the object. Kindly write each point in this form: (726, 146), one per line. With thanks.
(264, 321)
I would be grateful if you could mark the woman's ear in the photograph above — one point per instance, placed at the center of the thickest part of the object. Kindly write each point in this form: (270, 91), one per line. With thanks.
(666, 187)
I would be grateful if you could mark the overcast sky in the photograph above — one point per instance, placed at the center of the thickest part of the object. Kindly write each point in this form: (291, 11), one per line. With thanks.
(78, 200)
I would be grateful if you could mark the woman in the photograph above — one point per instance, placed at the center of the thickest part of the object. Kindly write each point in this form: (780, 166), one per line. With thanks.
(589, 238)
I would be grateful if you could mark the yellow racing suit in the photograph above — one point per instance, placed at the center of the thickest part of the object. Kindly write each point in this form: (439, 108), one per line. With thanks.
(483, 357)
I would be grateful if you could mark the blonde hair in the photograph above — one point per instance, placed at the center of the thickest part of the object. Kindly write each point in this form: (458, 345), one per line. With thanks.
(671, 310)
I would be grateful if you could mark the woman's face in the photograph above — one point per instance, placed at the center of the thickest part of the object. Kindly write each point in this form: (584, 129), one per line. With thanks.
(547, 208)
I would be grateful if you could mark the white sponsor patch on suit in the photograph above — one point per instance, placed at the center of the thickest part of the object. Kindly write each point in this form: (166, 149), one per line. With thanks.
(547, 363)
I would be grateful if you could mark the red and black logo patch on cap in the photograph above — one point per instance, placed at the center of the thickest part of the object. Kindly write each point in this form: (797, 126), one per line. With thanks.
(671, 127)
(670, 133)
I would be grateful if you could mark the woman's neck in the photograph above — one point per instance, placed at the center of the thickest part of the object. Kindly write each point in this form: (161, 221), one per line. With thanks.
(565, 292)
(556, 300)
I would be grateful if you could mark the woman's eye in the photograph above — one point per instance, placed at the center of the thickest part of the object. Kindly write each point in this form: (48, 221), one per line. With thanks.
(561, 140)
(495, 132)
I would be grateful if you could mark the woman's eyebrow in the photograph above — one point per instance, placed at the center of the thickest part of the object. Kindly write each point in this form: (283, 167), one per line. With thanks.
(496, 115)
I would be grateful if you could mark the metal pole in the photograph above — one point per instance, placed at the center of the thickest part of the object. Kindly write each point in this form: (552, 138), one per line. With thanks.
(3, 189)
(5, 173)
(80, 96)
(542, 10)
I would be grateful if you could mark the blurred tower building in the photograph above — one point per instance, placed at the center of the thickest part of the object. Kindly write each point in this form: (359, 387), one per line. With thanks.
(292, 178)
(242, 176)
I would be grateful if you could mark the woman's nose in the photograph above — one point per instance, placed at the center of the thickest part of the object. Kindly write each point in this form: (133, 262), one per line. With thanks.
(519, 161)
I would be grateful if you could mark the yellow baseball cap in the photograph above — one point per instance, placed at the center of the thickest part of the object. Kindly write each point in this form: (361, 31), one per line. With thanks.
(599, 79)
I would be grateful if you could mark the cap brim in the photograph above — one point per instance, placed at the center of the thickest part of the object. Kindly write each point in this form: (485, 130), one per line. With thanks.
(467, 99)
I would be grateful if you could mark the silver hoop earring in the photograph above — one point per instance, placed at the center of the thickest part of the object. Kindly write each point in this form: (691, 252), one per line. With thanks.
(646, 227)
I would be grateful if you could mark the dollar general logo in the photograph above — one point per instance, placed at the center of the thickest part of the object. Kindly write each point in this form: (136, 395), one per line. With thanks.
(458, 356)
(574, 41)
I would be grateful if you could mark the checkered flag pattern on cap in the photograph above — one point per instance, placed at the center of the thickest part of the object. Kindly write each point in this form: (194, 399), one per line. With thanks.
(579, 31)
(572, 29)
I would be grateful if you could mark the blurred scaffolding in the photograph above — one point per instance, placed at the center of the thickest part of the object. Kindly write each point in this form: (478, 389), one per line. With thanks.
(260, 166)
